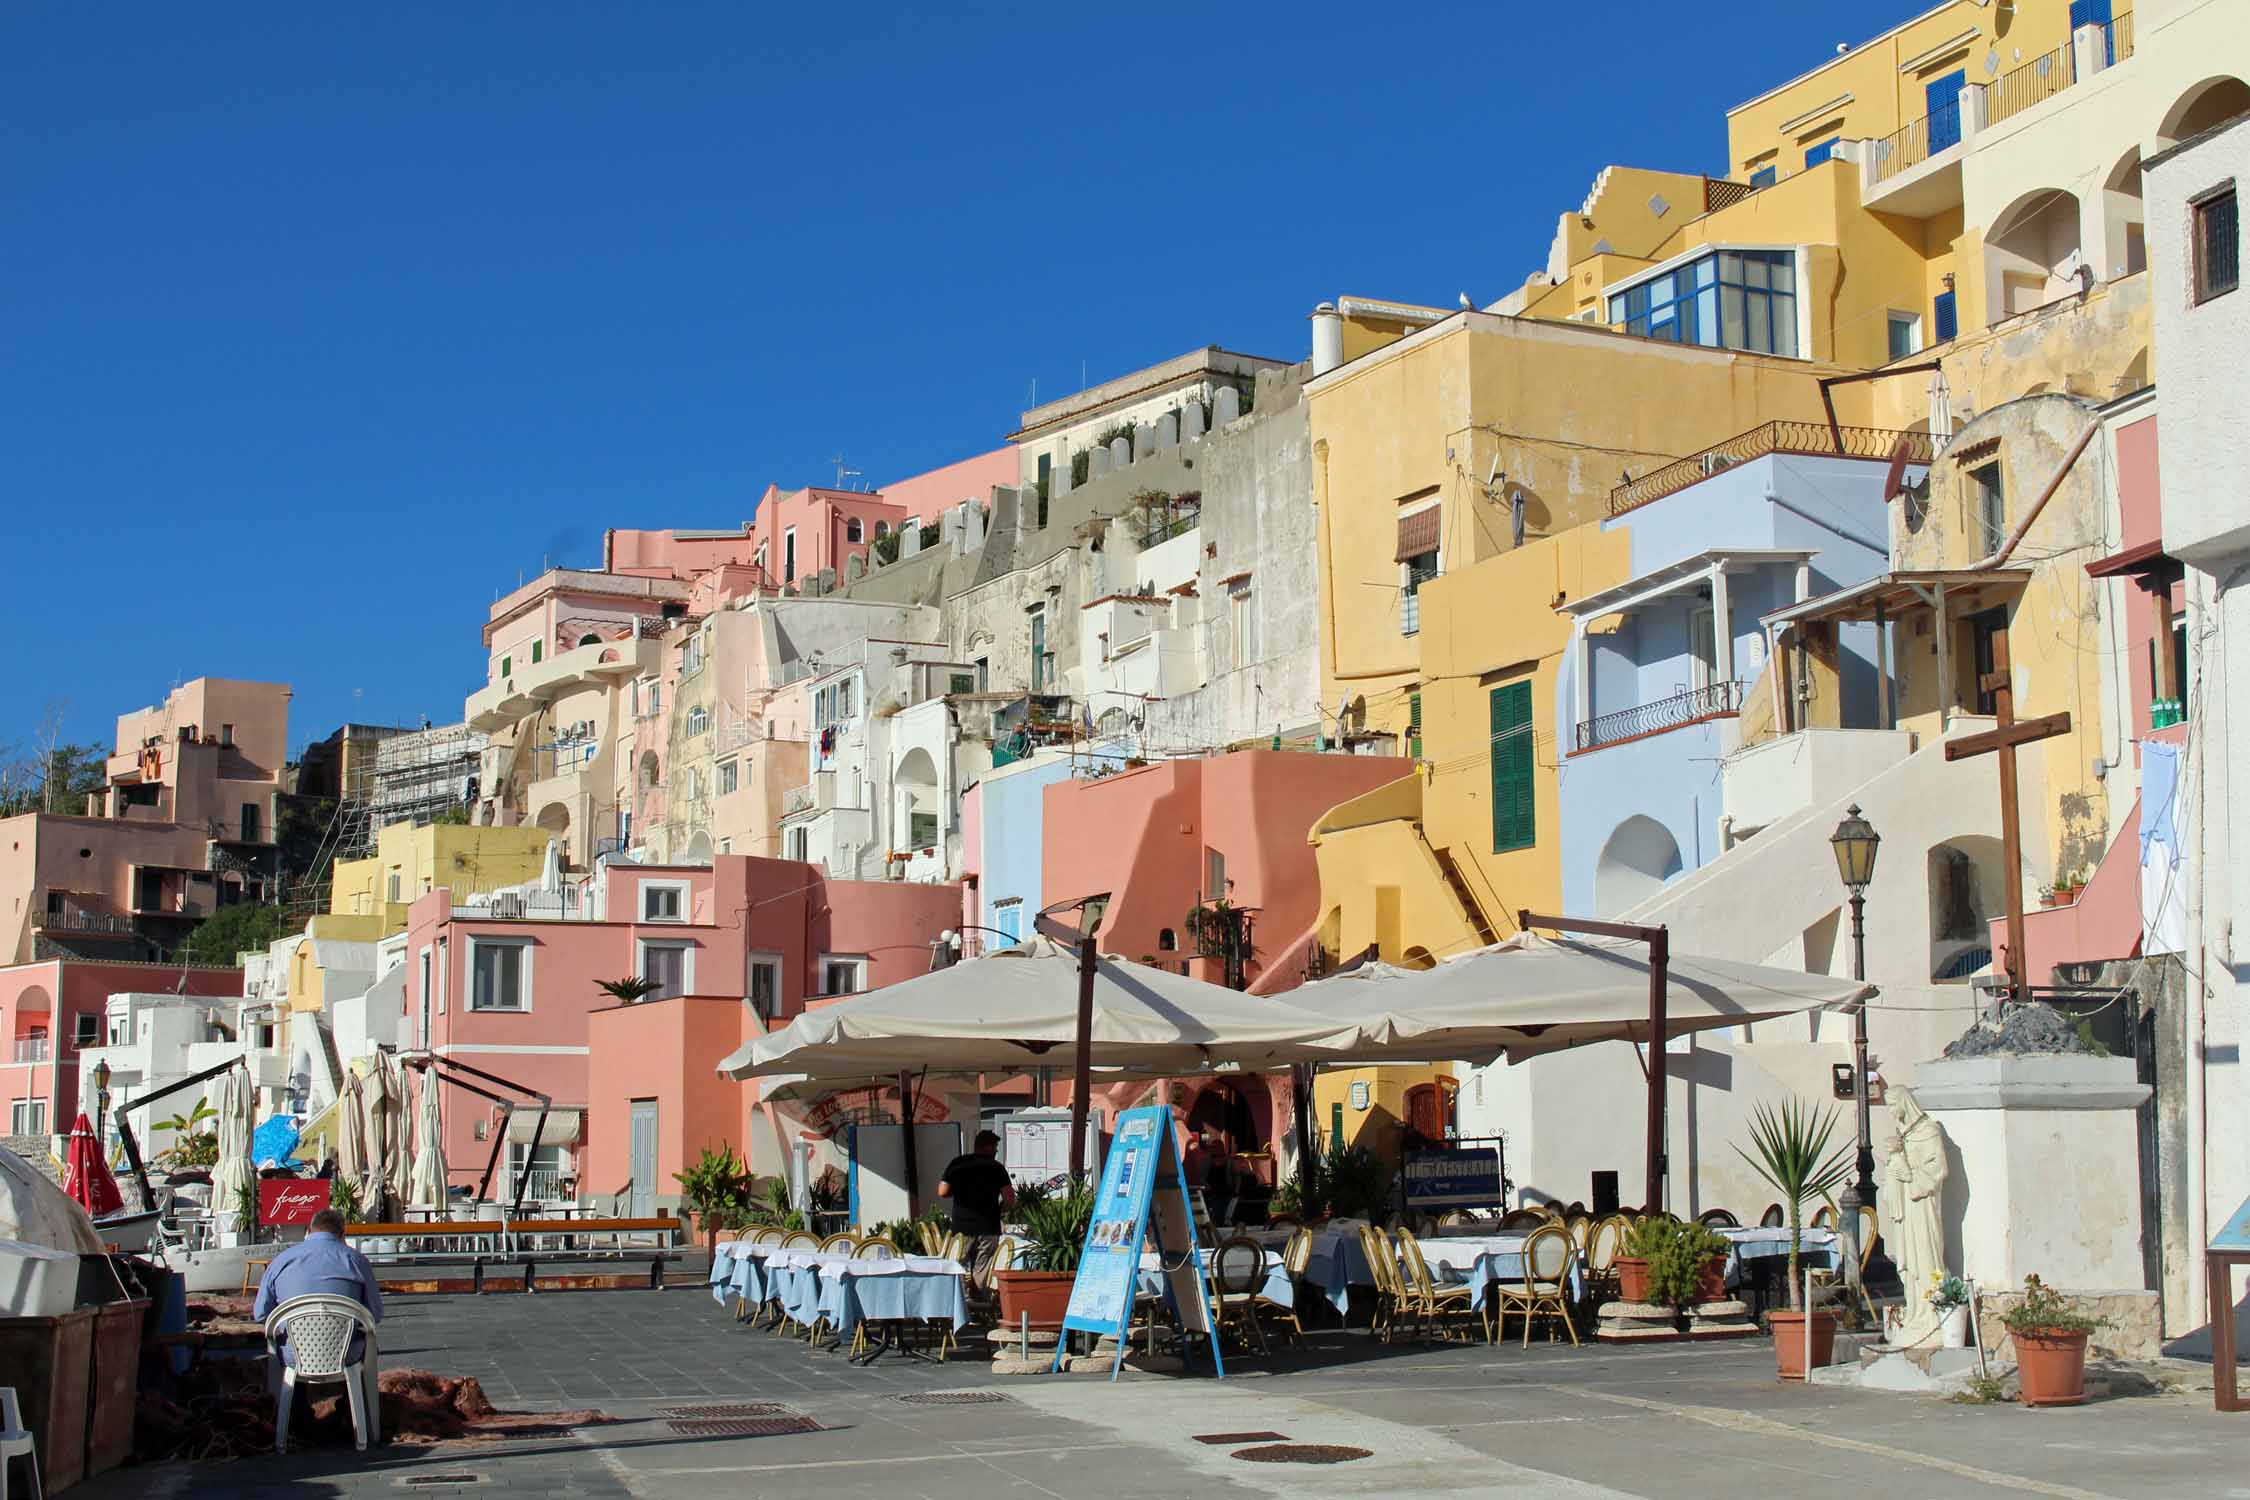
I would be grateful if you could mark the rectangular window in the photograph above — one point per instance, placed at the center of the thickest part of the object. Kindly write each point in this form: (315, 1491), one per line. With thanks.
(1906, 335)
(507, 666)
(250, 822)
(665, 965)
(226, 734)
(546, 1168)
(538, 650)
(393, 895)
(497, 975)
(730, 777)
(1420, 569)
(795, 841)
(1763, 177)
(762, 988)
(984, 674)
(961, 682)
(1991, 503)
(1941, 101)
(1214, 874)
(1039, 650)
(85, 1030)
(1008, 917)
(841, 976)
(1246, 646)
(1815, 155)
(1414, 725)
(789, 555)
(661, 903)
(1514, 820)
(1945, 318)
(1730, 299)
(2218, 245)
(29, 1117)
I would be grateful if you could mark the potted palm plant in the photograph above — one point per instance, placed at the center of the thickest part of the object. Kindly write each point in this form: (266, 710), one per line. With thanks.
(2049, 1331)
(1795, 1159)
(1054, 1234)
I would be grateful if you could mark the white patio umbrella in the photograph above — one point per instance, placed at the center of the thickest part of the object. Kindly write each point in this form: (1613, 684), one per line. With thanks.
(550, 867)
(351, 1137)
(1533, 994)
(1018, 1008)
(232, 1175)
(428, 1187)
(398, 1166)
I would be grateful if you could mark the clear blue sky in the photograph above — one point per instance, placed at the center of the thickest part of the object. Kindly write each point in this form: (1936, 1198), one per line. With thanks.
(320, 324)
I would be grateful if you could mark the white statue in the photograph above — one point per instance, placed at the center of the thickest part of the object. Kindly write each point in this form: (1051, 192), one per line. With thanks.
(1913, 1202)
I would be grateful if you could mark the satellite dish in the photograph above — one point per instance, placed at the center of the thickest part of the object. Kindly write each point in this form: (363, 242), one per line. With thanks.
(1894, 479)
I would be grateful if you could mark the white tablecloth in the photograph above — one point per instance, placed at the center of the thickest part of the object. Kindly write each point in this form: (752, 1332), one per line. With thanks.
(1816, 1248)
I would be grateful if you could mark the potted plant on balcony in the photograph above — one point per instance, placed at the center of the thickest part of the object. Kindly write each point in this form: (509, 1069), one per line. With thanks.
(2049, 1331)
(1794, 1158)
(1054, 1233)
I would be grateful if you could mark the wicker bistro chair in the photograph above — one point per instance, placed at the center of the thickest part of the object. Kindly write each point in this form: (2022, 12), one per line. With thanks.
(1429, 1302)
(319, 1329)
(933, 1237)
(1522, 1220)
(875, 1247)
(1296, 1259)
(840, 1244)
(1237, 1270)
(1383, 1268)
(1717, 1218)
(1546, 1285)
(1603, 1247)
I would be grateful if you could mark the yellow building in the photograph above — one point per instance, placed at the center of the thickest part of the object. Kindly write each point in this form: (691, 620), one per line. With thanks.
(411, 860)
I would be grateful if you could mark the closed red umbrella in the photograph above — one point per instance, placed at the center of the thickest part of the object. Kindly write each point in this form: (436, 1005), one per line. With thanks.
(86, 1175)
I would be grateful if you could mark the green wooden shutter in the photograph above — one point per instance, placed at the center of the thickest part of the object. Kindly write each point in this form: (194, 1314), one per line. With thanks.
(1514, 825)
(1414, 725)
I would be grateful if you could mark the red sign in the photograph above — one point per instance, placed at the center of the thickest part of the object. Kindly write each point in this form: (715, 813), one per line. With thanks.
(824, 1119)
(291, 1201)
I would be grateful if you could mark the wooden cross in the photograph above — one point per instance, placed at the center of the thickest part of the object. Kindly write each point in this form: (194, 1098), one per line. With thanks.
(2003, 741)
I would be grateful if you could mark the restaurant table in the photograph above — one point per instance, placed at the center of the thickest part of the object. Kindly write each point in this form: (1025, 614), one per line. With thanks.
(1478, 1261)
(912, 1288)
(1817, 1248)
(738, 1269)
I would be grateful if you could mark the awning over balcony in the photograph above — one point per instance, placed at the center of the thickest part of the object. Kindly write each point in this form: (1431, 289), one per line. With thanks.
(1418, 533)
(1891, 595)
(1637, 593)
(561, 1129)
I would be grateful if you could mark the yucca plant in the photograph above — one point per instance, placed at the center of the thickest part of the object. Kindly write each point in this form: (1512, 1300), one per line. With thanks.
(1795, 1160)
(627, 991)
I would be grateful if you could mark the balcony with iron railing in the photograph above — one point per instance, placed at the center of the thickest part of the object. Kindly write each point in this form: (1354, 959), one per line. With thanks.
(31, 1049)
(1675, 712)
(1808, 439)
(2090, 49)
(73, 920)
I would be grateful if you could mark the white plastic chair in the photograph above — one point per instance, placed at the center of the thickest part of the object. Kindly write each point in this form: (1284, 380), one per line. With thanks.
(15, 1443)
(319, 1329)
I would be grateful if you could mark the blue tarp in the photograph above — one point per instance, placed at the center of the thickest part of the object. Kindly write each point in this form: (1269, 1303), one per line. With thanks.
(273, 1143)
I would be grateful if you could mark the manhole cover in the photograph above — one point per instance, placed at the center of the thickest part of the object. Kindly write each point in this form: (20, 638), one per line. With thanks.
(738, 1409)
(1237, 1439)
(428, 1481)
(956, 1398)
(744, 1426)
(1302, 1453)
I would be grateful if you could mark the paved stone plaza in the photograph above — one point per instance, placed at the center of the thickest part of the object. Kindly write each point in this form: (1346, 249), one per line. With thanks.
(1438, 1421)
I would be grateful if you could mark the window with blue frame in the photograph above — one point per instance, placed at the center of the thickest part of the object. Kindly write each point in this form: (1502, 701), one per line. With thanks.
(1815, 155)
(1730, 299)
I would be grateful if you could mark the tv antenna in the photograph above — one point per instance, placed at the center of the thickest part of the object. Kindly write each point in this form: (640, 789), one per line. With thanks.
(843, 473)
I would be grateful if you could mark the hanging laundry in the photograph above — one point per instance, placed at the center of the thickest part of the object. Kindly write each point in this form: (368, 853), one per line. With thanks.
(2164, 870)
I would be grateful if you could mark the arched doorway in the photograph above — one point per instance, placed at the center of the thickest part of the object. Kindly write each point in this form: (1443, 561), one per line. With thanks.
(1639, 858)
(915, 787)
(1966, 893)
(2032, 254)
(1432, 1113)
(2124, 235)
(698, 851)
(2211, 102)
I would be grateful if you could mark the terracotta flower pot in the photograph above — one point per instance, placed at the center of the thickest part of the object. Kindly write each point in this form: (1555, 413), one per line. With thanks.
(2051, 1364)
(1042, 1295)
(1632, 1279)
(1789, 1341)
(1713, 1286)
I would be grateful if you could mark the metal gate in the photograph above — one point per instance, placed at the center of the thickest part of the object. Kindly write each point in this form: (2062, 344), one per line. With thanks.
(644, 1159)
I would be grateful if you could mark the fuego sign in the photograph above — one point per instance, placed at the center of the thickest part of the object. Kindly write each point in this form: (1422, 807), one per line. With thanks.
(291, 1201)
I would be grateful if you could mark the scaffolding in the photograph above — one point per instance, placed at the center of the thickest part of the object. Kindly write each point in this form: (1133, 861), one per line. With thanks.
(407, 776)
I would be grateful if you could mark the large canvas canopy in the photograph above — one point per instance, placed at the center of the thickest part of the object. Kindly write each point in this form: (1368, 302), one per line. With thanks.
(1533, 994)
(1018, 1008)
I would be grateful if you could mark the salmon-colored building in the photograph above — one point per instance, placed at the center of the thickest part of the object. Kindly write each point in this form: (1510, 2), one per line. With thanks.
(50, 1011)
(733, 946)
(1167, 843)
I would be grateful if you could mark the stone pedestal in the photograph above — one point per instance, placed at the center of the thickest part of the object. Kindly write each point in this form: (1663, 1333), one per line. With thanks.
(1636, 1322)
(1726, 1319)
(2045, 1176)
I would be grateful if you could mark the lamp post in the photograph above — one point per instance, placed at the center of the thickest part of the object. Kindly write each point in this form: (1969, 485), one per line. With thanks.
(950, 939)
(1855, 842)
(101, 1096)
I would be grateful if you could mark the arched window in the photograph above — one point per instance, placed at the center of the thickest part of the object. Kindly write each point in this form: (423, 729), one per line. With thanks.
(882, 528)
(589, 639)
(853, 530)
(1167, 941)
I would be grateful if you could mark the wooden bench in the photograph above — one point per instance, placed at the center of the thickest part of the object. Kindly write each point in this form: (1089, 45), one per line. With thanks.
(614, 1231)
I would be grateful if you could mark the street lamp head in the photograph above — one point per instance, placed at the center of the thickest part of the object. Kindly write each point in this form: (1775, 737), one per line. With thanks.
(1855, 841)
(101, 1076)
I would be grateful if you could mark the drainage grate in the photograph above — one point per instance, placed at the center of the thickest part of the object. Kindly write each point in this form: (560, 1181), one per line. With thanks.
(426, 1481)
(745, 1426)
(737, 1409)
(956, 1398)
(1303, 1453)
(1237, 1439)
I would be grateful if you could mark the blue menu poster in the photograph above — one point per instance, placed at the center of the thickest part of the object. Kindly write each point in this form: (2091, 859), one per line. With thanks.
(1127, 1207)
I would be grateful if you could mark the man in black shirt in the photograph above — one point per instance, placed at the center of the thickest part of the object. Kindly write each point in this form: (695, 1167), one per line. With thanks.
(979, 1190)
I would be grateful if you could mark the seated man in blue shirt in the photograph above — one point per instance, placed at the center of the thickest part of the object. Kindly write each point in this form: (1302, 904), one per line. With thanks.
(321, 1262)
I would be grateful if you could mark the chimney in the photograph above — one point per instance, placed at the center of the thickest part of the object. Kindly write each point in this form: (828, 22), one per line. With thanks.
(1327, 338)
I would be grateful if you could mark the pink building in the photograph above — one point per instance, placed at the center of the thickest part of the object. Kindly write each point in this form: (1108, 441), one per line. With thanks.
(517, 997)
(184, 825)
(50, 1011)
(801, 532)
(925, 495)
(1166, 843)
